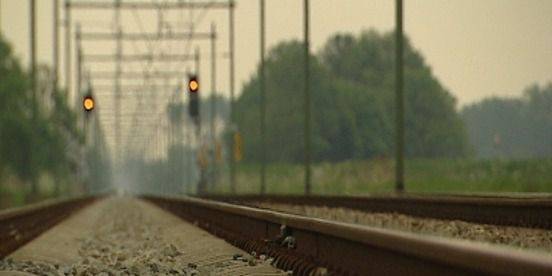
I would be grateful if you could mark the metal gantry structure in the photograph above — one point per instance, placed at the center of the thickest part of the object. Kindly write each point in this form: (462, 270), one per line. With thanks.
(399, 174)
(119, 90)
(115, 114)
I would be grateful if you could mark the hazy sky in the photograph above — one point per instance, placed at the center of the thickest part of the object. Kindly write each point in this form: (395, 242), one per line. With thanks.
(476, 48)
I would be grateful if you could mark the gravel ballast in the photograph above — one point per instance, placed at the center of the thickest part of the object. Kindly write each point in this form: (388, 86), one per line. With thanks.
(516, 237)
(133, 237)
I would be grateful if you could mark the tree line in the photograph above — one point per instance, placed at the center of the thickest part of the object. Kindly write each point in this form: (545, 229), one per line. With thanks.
(353, 108)
(38, 133)
(519, 127)
(353, 103)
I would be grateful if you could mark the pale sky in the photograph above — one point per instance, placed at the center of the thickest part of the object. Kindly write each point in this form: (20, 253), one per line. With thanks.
(476, 48)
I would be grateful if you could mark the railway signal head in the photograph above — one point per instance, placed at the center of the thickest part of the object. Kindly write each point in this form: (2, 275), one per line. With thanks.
(193, 88)
(193, 84)
(88, 103)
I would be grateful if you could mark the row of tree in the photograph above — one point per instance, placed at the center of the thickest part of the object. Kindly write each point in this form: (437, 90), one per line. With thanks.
(512, 127)
(353, 103)
(38, 132)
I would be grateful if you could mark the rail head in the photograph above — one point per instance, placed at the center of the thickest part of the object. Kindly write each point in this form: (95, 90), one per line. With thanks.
(20, 225)
(465, 255)
(537, 200)
(509, 210)
(34, 207)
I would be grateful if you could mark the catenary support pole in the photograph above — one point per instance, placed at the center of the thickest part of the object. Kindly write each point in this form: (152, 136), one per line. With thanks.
(55, 42)
(200, 187)
(32, 48)
(67, 51)
(307, 101)
(78, 65)
(399, 166)
(232, 103)
(212, 131)
(81, 116)
(263, 97)
(117, 94)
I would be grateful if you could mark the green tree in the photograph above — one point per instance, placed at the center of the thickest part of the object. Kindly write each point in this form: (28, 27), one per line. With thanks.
(352, 86)
(33, 135)
(433, 127)
(512, 127)
(15, 117)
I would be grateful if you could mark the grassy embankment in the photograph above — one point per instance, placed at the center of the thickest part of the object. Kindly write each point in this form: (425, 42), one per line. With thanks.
(422, 175)
(15, 193)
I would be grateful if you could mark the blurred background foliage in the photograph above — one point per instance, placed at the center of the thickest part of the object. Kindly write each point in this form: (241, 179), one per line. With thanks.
(494, 145)
(353, 108)
(353, 103)
(35, 154)
(512, 127)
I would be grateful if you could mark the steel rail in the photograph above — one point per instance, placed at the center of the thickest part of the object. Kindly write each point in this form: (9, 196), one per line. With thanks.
(532, 212)
(20, 225)
(346, 249)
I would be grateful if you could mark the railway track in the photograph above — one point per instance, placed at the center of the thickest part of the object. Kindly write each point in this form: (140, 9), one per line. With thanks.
(310, 246)
(530, 212)
(306, 246)
(21, 225)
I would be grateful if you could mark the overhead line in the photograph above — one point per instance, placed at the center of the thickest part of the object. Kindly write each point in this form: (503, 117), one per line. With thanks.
(134, 75)
(144, 36)
(148, 5)
(137, 57)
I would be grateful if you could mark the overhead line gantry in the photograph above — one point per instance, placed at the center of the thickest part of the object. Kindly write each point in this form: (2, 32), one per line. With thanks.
(150, 5)
(145, 36)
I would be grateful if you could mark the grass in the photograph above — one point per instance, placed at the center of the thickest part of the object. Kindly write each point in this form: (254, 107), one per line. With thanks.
(422, 176)
(16, 193)
(358, 177)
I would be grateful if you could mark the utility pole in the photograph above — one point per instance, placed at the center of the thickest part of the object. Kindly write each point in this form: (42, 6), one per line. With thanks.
(197, 123)
(263, 98)
(78, 92)
(67, 51)
(55, 38)
(189, 160)
(117, 95)
(232, 103)
(78, 49)
(213, 107)
(200, 189)
(307, 102)
(32, 48)
(0, 26)
(399, 166)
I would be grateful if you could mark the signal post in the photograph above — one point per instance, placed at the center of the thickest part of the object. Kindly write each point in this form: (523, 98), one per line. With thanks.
(88, 105)
(193, 111)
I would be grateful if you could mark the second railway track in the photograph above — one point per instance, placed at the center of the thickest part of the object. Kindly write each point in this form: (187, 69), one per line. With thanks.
(529, 212)
(308, 246)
